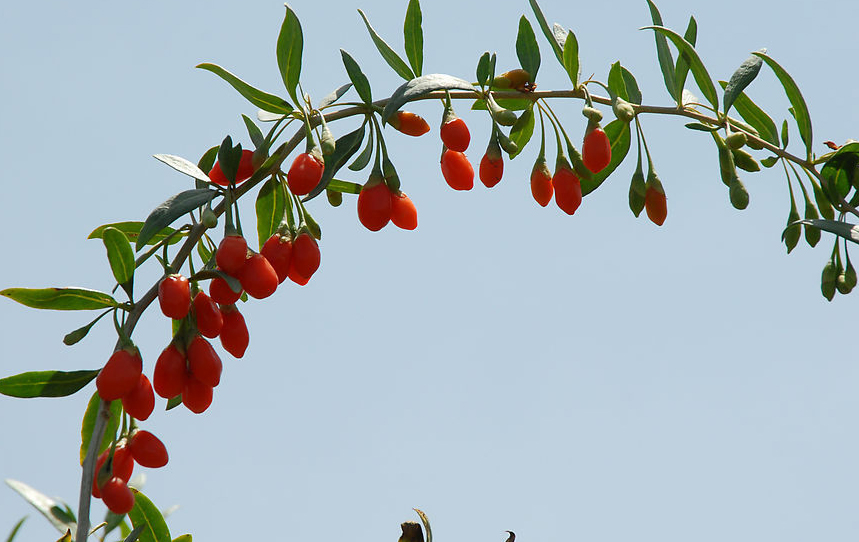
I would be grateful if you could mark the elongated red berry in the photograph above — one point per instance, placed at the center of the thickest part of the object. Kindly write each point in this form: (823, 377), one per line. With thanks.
(491, 170)
(541, 183)
(656, 205)
(147, 450)
(304, 174)
(117, 497)
(221, 292)
(246, 169)
(278, 251)
(140, 401)
(120, 374)
(457, 170)
(234, 335)
(174, 296)
(203, 362)
(454, 134)
(258, 277)
(207, 315)
(596, 150)
(403, 212)
(122, 466)
(409, 123)
(170, 373)
(305, 257)
(374, 204)
(232, 253)
(196, 396)
(568, 190)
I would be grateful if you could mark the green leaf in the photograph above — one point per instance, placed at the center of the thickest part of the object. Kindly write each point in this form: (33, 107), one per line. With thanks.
(785, 137)
(755, 116)
(334, 96)
(663, 53)
(527, 49)
(170, 210)
(425, 521)
(794, 96)
(344, 187)
(841, 229)
(557, 46)
(254, 132)
(182, 166)
(132, 229)
(769, 161)
(345, 148)
(359, 80)
(619, 135)
(392, 58)
(146, 514)
(571, 58)
(88, 423)
(60, 299)
(699, 72)
(47, 506)
(681, 69)
(270, 208)
(364, 158)
(45, 383)
(119, 254)
(702, 127)
(15, 529)
(483, 69)
(413, 35)
(290, 43)
(183, 538)
(522, 130)
(623, 83)
(513, 104)
(742, 78)
(839, 172)
(420, 86)
(263, 100)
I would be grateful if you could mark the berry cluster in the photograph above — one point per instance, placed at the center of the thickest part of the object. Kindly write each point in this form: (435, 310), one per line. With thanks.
(116, 464)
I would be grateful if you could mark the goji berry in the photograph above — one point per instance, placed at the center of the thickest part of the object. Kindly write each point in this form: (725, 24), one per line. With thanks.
(541, 183)
(409, 123)
(596, 150)
(403, 212)
(196, 396)
(304, 174)
(246, 169)
(278, 251)
(147, 450)
(457, 170)
(122, 467)
(258, 277)
(305, 257)
(656, 205)
(174, 296)
(568, 190)
(203, 362)
(231, 254)
(234, 335)
(454, 134)
(117, 497)
(374, 204)
(207, 315)
(491, 169)
(140, 401)
(170, 373)
(220, 291)
(120, 374)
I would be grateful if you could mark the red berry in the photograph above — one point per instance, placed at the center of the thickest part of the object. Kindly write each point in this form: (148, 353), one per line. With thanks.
(278, 250)
(120, 374)
(207, 315)
(170, 373)
(258, 277)
(403, 212)
(117, 497)
(174, 296)
(232, 253)
(457, 170)
(203, 362)
(454, 135)
(246, 169)
(409, 123)
(221, 292)
(491, 170)
(304, 174)
(234, 335)
(121, 467)
(596, 150)
(656, 205)
(541, 183)
(568, 190)
(147, 450)
(305, 257)
(374, 205)
(140, 402)
(196, 395)
(296, 278)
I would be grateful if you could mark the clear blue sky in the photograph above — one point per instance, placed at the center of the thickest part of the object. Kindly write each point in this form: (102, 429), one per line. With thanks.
(503, 367)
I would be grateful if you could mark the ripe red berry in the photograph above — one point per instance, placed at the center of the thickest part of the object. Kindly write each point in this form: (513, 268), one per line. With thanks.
(403, 212)
(541, 183)
(207, 315)
(117, 497)
(656, 205)
(491, 170)
(121, 467)
(374, 205)
(246, 169)
(568, 190)
(258, 277)
(304, 174)
(231, 254)
(278, 251)
(454, 134)
(196, 396)
(234, 335)
(457, 170)
(140, 401)
(147, 450)
(409, 123)
(174, 296)
(596, 150)
(221, 292)
(170, 373)
(120, 374)
(305, 258)
(203, 362)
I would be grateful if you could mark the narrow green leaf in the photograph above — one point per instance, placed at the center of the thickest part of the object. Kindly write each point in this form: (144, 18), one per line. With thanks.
(755, 116)
(182, 166)
(794, 96)
(699, 72)
(359, 80)
(681, 69)
(413, 35)
(60, 299)
(522, 130)
(420, 86)
(527, 49)
(702, 127)
(742, 78)
(392, 58)
(571, 58)
(631, 86)
(663, 54)
(263, 100)
(119, 254)
(839, 171)
(44, 504)
(290, 44)
(344, 187)
(15, 529)
(557, 46)
(841, 229)
(623, 83)
(45, 383)
(822, 201)
(366, 155)
(482, 72)
(134, 535)
(785, 136)
(132, 229)
(254, 132)
(346, 146)
(334, 96)
(769, 161)
(88, 423)
(170, 210)
(619, 135)
(146, 514)
(270, 208)
(183, 538)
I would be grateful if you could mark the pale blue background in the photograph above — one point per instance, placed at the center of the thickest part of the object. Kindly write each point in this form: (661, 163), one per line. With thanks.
(503, 367)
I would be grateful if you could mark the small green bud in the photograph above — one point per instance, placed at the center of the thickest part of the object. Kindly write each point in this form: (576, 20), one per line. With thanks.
(326, 141)
(727, 170)
(637, 191)
(507, 144)
(592, 114)
(334, 198)
(623, 110)
(738, 194)
(208, 218)
(502, 116)
(735, 140)
(829, 279)
(745, 161)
